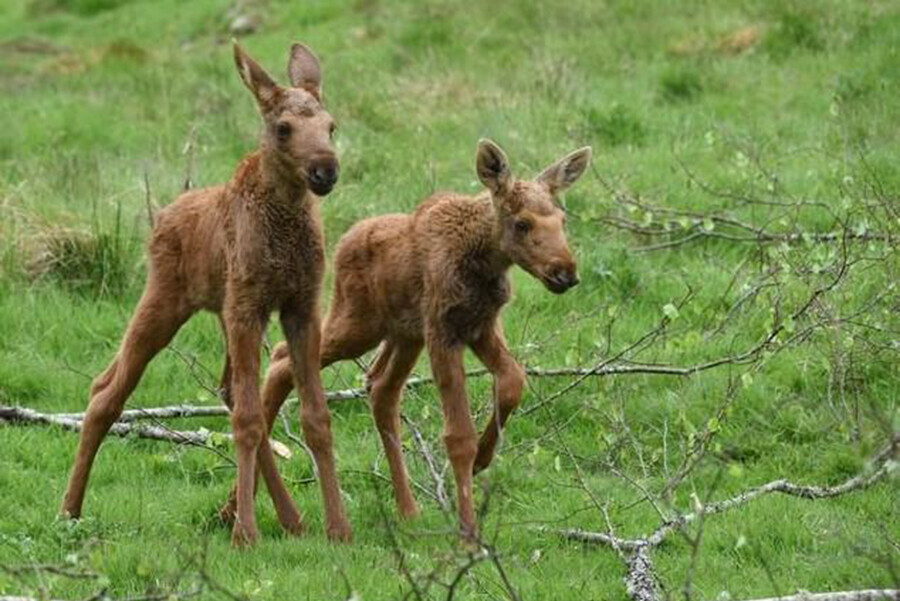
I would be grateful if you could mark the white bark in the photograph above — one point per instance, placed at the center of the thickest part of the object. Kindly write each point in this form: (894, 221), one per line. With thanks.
(865, 595)
(21, 414)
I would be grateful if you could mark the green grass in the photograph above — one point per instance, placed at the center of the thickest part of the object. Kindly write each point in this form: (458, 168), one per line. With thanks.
(98, 93)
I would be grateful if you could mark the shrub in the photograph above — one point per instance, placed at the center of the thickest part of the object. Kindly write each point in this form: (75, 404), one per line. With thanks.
(680, 84)
(616, 127)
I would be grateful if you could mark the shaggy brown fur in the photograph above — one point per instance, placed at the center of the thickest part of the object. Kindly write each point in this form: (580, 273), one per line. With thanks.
(242, 250)
(438, 278)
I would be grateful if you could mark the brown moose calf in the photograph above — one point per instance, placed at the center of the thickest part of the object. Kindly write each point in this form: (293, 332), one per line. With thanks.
(438, 278)
(242, 250)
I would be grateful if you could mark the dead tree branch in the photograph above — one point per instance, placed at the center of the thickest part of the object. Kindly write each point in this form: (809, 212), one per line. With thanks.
(609, 367)
(864, 595)
(640, 578)
(156, 413)
(190, 580)
(188, 152)
(23, 415)
(437, 476)
(148, 200)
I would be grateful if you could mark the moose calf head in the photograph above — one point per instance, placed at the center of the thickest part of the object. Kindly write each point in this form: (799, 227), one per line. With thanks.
(299, 131)
(531, 224)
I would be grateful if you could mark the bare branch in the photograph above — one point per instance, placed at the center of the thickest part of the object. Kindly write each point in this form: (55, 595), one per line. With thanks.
(881, 467)
(195, 367)
(640, 578)
(148, 200)
(22, 414)
(155, 413)
(440, 492)
(188, 152)
(864, 595)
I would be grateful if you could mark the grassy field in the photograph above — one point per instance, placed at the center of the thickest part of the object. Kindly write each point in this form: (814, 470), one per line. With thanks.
(791, 102)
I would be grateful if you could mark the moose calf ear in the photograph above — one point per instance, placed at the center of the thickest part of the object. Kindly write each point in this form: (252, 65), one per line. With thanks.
(303, 69)
(492, 166)
(255, 77)
(566, 171)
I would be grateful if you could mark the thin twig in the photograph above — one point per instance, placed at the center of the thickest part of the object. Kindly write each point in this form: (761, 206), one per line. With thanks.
(440, 492)
(148, 200)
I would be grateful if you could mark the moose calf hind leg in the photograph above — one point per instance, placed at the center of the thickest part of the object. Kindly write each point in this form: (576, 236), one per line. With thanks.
(156, 320)
(102, 412)
(288, 515)
(386, 389)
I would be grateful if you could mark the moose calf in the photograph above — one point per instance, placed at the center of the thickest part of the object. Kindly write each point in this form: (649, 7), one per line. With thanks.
(242, 250)
(438, 278)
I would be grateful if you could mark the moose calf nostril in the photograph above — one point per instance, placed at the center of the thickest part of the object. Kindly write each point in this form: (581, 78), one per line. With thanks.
(565, 277)
(324, 174)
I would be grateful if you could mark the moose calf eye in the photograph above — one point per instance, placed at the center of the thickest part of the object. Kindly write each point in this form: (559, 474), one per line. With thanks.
(332, 129)
(283, 131)
(523, 226)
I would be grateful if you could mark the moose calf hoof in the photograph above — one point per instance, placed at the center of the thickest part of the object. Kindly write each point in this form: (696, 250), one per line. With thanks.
(243, 537)
(69, 509)
(482, 461)
(295, 530)
(294, 527)
(69, 515)
(339, 533)
(468, 540)
(409, 512)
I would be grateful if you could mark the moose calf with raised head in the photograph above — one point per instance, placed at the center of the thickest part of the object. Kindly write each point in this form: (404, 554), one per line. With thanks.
(438, 278)
(243, 250)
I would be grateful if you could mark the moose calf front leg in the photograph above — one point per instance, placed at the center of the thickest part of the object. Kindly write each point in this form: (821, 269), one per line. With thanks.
(303, 337)
(250, 440)
(278, 384)
(247, 422)
(460, 437)
(509, 380)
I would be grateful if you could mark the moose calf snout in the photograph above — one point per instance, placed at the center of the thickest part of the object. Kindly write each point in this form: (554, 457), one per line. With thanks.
(323, 175)
(562, 278)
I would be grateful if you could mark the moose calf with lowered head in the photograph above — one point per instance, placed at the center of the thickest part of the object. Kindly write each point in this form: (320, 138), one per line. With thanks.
(438, 278)
(243, 250)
